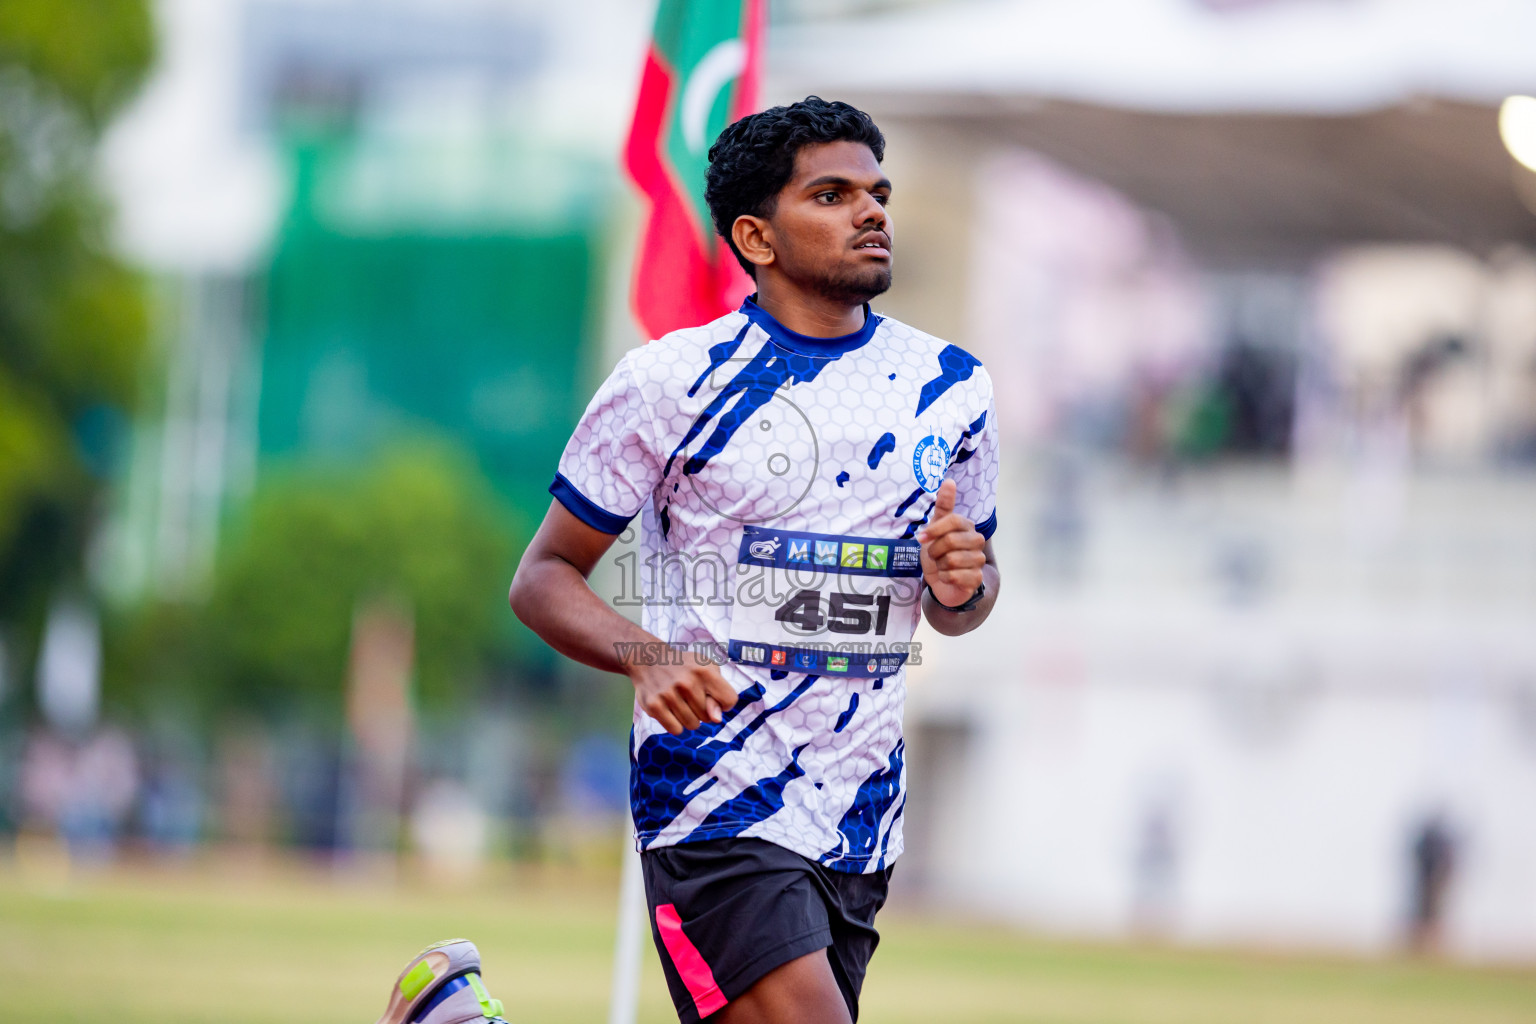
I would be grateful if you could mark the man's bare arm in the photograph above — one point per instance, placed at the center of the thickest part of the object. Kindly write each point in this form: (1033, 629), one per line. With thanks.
(551, 596)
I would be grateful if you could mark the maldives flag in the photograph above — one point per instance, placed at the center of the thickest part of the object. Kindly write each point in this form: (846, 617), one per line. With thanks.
(701, 73)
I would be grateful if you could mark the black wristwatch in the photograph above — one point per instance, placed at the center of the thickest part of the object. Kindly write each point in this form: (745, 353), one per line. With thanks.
(970, 602)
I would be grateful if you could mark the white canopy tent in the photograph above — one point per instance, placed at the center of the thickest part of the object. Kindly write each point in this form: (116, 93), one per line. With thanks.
(1266, 130)
(1178, 56)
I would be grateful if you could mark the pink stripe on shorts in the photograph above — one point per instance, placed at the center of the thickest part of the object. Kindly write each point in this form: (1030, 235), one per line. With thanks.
(690, 964)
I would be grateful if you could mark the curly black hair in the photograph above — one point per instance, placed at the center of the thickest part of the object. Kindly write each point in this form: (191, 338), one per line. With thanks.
(754, 158)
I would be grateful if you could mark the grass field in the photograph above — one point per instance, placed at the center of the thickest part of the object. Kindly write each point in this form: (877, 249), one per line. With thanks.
(221, 942)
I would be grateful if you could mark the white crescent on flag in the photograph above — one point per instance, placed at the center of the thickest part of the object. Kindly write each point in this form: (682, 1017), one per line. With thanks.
(719, 65)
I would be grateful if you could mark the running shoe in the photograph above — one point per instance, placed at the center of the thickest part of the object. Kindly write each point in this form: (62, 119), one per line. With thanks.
(441, 985)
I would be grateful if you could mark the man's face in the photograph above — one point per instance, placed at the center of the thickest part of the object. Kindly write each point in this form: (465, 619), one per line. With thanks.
(831, 231)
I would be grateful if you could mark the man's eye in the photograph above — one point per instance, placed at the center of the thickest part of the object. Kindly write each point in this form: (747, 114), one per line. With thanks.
(882, 199)
(827, 197)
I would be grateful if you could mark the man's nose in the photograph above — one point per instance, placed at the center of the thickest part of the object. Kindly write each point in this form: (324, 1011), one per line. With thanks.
(870, 212)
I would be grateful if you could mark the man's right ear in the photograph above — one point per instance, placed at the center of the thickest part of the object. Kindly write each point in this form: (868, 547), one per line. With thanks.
(754, 239)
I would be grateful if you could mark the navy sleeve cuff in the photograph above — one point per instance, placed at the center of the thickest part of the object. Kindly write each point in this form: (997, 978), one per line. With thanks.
(578, 505)
(988, 526)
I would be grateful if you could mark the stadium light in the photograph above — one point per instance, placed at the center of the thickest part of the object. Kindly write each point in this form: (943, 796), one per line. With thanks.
(1517, 126)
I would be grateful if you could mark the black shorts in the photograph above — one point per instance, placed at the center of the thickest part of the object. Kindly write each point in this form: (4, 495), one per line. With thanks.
(725, 912)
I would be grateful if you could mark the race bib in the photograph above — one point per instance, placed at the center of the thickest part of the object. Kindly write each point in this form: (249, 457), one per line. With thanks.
(818, 603)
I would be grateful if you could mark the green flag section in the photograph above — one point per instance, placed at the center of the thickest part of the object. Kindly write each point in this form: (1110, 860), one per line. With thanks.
(701, 73)
(398, 317)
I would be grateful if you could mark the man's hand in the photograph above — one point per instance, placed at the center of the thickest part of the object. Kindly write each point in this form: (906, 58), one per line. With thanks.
(550, 594)
(952, 551)
(680, 697)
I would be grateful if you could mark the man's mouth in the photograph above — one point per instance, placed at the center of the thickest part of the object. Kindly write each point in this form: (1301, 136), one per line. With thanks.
(875, 245)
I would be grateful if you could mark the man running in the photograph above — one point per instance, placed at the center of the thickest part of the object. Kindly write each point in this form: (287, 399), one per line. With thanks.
(810, 478)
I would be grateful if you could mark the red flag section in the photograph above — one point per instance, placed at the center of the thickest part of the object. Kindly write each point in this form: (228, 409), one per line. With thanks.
(702, 72)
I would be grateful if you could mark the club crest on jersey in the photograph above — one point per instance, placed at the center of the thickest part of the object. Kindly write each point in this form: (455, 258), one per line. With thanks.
(930, 461)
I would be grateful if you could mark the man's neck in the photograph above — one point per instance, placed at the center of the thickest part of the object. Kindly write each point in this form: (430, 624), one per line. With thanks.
(811, 315)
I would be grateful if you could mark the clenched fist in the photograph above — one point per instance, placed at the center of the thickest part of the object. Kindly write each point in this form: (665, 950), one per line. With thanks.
(681, 697)
(953, 552)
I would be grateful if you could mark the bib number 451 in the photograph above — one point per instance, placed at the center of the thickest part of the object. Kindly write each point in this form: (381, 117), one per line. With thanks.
(845, 613)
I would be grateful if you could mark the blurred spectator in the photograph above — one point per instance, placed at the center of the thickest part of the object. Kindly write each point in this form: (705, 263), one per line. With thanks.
(45, 780)
(1060, 524)
(310, 784)
(1155, 870)
(83, 793)
(171, 809)
(1258, 387)
(1433, 854)
(247, 790)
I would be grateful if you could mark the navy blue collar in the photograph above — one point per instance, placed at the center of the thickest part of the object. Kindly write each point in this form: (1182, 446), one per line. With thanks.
(804, 343)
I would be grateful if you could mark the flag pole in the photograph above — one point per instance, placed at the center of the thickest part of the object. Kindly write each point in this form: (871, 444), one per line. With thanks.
(684, 276)
(624, 1004)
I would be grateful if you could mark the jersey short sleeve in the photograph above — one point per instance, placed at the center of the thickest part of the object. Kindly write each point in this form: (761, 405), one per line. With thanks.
(610, 467)
(974, 471)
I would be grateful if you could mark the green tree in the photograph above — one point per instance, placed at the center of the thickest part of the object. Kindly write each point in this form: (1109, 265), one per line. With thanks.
(418, 526)
(72, 318)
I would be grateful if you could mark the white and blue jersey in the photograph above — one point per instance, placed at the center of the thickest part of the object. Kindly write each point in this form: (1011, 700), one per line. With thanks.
(781, 480)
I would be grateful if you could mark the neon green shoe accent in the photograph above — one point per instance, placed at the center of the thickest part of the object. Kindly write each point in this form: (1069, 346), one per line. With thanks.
(488, 1006)
(416, 979)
